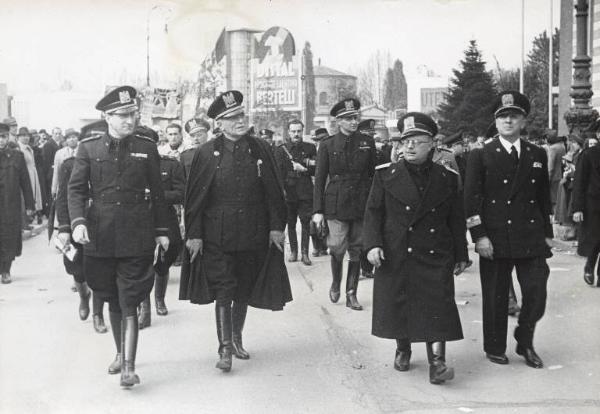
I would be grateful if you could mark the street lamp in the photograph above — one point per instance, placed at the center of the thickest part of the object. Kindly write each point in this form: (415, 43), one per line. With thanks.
(155, 7)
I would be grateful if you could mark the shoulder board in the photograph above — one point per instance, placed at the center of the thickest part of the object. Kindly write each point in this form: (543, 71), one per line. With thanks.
(449, 168)
(144, 138)
(167, 157)
(487, 141)
(443, 149)
(92, 138)
(382, 166)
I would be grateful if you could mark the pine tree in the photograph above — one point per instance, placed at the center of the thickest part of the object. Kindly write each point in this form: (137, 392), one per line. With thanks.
(395, 87)
(470, 94)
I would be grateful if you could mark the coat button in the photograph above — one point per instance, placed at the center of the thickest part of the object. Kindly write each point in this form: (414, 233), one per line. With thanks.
(509, 221)
(407, 208)
(531, 201)
(409, 249)
(432, 230)
(505, 181)
(118, 203)
(433, 210)
(532, 221)
(493, 201)
(533, 180)
(410, 229)
(431, 251)
(508, 202)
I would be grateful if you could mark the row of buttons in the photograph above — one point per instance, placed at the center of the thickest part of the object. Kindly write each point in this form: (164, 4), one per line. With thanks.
(509, 202)
(410, 250)
(531, 221)
(505, 181)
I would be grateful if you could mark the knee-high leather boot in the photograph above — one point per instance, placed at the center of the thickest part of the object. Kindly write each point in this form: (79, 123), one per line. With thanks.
(145, 315)
(116, 319)
(292, 236)
(160, 289)
(223, 316)
(84, 300)
(352, 286)
(438, 371)
(304, 241)
(403, 353)
(129, 349)
(238, 317)
(98, 314)
(336, 272)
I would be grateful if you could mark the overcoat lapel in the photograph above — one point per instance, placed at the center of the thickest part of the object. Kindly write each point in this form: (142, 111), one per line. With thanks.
(401, 186)
(524, 168)
(435, 193)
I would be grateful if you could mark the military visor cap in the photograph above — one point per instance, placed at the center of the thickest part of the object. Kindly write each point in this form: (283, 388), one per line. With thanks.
(452, 139)
(347, 107)
(367, 125)
(119, 101)
(511, 101)
(416, 123)
(226, 105)
(196, 125)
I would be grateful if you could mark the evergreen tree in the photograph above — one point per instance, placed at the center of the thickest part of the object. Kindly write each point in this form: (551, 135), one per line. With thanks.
(470, 94)
(310, 89)
(395, 87)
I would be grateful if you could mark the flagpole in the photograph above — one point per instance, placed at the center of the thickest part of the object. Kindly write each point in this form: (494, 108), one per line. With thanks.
(521, 88)
(550, 67)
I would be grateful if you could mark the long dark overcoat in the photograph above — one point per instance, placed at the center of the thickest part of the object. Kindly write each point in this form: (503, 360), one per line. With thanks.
(14, 180)
(422, 238)
(586, 199)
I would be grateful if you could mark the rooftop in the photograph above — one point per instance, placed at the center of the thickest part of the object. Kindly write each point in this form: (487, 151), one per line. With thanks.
(325, 71)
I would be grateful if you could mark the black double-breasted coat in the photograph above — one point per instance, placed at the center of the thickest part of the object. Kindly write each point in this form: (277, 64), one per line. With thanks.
(586, 199)
(423, 237)
(512, 208)
(173, 183)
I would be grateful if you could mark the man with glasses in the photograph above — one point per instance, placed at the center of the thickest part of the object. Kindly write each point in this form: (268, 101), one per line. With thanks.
(345, 167)
(118, 213)
(507, 204)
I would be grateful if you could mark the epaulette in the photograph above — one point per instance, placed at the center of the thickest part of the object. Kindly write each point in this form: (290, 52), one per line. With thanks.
(382, 166)
(93, 137)
(168, 157)
(487, 141)
(144, 138)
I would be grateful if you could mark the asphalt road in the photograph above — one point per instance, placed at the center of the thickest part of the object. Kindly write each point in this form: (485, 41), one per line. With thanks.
(314, 357)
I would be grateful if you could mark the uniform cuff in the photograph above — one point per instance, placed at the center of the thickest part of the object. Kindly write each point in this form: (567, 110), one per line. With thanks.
(161, 231)
(77, 221)
(64, 229)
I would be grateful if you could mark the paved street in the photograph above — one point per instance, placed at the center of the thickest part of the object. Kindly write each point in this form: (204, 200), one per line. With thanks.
(314, 357)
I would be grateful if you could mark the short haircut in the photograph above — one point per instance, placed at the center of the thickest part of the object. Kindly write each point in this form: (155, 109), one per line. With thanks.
(173, 125)
(295, 121)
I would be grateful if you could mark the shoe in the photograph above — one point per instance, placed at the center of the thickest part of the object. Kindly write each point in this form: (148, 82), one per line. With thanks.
(238, 318)
(352, 286)
(336, 272)
(224, 334)
(531, 358)
(99, 325)
(84, 300)
(305, 259)
(588, 277)
(129, 340)
(368, 275)
(439, 373)
(6, 279)
(115, 366)
(402, 360)
(74, 287)
(145, 314)
(293, 256)
(160, 289)
(115, 326)
(497, 359)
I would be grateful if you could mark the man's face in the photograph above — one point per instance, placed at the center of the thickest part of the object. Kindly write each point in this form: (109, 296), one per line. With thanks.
(122, 125)
(348, 124)
(234, 126)
(417, 148)
(174, 137)
(71, 141)
(3, 140)
(43, 137)
(13, 129)
(56, 134)
(24, 139)
(510, 124)
(295, 132)
(199, 138)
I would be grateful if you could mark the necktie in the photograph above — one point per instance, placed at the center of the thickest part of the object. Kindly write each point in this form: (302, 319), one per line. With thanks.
(514, 154)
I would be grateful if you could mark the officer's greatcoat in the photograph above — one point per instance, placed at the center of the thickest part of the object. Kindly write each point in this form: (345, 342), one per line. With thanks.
(422, 237)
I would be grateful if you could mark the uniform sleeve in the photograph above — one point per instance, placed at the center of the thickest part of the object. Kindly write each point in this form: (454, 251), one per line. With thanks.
(25, 183)
(159, 206)
(61, 203)
(543, 197)
(175, 194)
(473, 194)
(374, 216)
(581, 182)
(456, 222)
(79, 188)
(321, 173)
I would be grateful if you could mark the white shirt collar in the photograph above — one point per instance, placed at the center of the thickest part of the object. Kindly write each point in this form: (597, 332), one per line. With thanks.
(507, 144)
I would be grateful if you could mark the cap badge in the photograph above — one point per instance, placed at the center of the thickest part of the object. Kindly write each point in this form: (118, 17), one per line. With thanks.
(409, 123)
(229, 100)
(508, 100)
(192, 123)
(349, 105)
(124, 97)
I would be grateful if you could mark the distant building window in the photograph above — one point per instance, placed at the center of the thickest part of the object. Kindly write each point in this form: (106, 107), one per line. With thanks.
(323, 99)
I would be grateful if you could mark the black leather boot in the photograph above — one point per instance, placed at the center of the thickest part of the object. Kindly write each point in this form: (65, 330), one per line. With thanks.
(438, 371)
(316, 246)
(352, 286)
(129, 349)
(223, 316)
(84, 300)
(336, 272)
(524, 336)
(145, 313)
(160, 289)
(98, 314)
(115, 325)
(238, 317)
(403, 353)
(293, 243)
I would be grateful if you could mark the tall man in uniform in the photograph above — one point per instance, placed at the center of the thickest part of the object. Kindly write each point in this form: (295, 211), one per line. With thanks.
(197, 129)
(118, 176)
(299, 160)
(507, 203)
(345, 168)
(234, 211)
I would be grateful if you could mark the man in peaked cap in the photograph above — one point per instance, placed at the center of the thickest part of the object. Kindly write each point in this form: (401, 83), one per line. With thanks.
(507, 203)
(235, 214)
(197, 129)
(345, 167)
(119, 173)
(414, 233)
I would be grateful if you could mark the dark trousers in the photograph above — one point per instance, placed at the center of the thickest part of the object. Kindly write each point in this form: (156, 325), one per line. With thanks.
(123, 282)
(532, 274)
(5, 266)
(302, 209)
(590, 263)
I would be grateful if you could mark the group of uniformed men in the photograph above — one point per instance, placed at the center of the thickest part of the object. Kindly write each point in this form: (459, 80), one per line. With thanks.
(405, 217)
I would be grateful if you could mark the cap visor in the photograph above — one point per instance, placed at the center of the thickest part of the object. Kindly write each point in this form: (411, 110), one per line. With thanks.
(231, 112)
(510, 108)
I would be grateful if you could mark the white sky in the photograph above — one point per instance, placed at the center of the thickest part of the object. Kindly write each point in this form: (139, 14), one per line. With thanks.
(96, 42)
